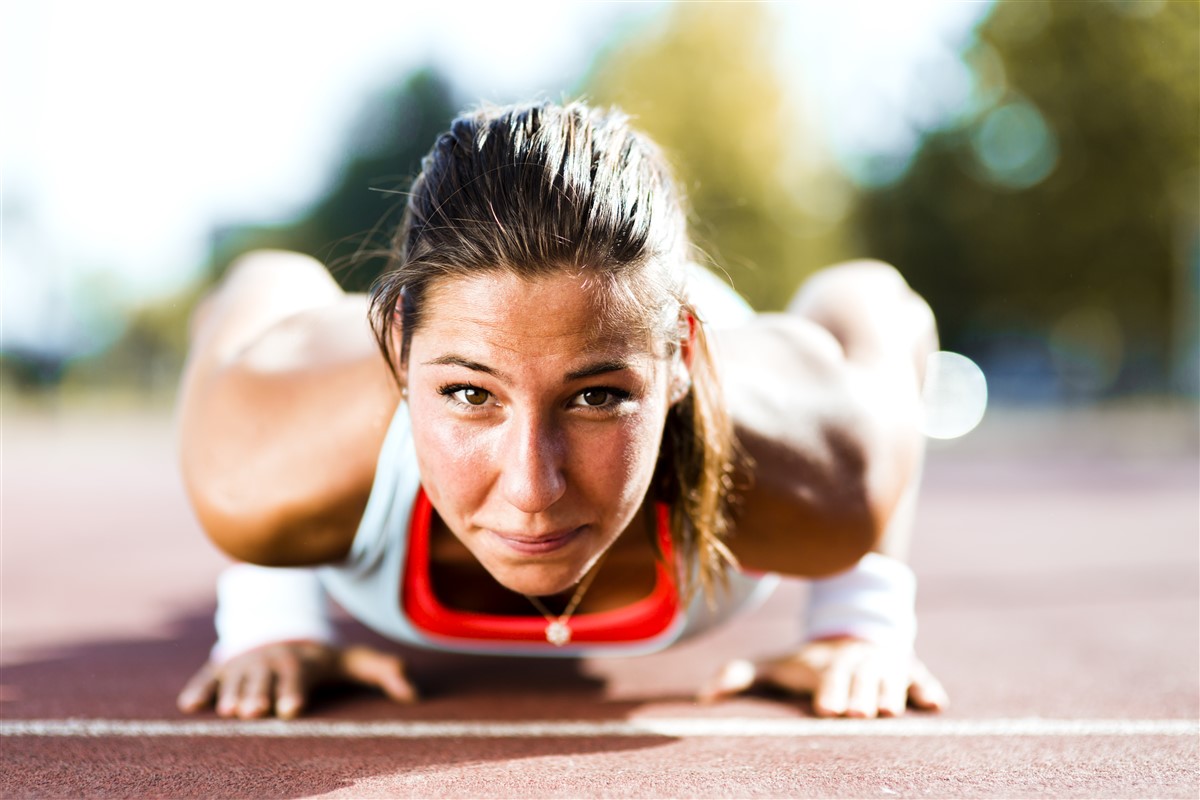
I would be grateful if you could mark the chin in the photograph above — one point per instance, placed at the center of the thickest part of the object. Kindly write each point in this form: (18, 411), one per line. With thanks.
(539, 587)
(537, 580)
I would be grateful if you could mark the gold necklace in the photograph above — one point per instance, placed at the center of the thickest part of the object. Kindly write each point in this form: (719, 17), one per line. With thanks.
(558, 631)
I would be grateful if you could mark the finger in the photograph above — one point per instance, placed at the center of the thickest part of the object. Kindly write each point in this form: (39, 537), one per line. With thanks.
(862, 699)
(228, 692)
(255, 698)
(926, 692)
(199, 691)
(291, 689)
(735, 677)
(832, 695)
(383, 670)
(893, 694)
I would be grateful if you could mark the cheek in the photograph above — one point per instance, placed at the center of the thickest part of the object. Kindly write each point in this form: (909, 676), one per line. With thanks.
(454, 461)
(622, 463)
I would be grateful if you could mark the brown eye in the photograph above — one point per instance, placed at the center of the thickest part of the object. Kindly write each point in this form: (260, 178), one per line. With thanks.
(473, 396)
(595, 397)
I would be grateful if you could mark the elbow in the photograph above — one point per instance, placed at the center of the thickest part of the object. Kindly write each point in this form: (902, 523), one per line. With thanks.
(843, 530)
(811, 511)
(843, 500)
(240, 532)
(874, 455)
(275, 541)
(255, 528)
(230, 503)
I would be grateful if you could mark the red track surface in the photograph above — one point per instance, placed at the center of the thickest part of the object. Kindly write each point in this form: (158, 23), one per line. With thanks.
(1059, 580)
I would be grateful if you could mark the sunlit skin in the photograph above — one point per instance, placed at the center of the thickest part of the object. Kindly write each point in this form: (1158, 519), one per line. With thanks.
(284, 374)
(536, 432)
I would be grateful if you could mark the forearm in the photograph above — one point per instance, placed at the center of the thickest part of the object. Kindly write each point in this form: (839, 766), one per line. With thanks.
(875, 599)
(803, 506)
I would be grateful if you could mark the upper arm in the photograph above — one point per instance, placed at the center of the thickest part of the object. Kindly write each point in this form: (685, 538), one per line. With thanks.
(279, 444)
(826, 465)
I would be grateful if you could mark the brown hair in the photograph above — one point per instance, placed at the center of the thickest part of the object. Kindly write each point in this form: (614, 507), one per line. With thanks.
(539, 188)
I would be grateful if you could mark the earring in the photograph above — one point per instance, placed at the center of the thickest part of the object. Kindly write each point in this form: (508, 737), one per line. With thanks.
(682, 388)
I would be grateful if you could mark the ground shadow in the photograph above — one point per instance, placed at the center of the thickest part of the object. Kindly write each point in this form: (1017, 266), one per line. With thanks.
(138, 679)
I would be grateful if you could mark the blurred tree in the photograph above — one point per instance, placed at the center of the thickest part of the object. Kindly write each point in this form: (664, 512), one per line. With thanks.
(1056, 226)
(707, 85)
(147, 356)
(395, 130)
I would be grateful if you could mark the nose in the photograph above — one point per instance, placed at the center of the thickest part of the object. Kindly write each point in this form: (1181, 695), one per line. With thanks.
(532, 479)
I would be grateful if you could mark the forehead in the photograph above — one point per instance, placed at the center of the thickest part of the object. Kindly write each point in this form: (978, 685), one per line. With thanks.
(558, 314)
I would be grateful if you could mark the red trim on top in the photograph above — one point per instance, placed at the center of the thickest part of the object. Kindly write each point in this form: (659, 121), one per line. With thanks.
(645, 619)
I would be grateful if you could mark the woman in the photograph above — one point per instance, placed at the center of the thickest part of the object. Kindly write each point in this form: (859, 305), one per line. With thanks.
(518, 443)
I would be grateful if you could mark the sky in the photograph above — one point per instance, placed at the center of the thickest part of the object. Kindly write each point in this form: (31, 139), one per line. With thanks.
(132, 127)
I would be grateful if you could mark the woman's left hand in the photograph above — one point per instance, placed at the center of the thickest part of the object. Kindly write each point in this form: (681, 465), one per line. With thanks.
(845, 676)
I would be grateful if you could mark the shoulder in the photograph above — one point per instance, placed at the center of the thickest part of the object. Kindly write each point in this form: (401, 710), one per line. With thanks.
(279, 443)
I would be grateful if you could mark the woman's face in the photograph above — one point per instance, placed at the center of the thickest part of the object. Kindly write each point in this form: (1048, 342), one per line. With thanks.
(536, 434)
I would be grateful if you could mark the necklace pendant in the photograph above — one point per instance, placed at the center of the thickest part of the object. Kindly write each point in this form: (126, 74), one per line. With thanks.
(558, 633)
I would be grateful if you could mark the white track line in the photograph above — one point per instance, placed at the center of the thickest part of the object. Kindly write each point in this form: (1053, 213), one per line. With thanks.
(680, 727)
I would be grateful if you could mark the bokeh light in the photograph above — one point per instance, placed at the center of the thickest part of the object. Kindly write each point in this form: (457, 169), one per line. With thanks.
(1015, 145)
(955, 395)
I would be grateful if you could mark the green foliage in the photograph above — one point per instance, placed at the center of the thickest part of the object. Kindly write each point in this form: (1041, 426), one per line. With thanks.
(707, 87)
(1064, 211)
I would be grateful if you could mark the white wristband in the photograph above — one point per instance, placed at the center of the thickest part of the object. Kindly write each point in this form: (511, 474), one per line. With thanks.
(259, 605)
(873, 600)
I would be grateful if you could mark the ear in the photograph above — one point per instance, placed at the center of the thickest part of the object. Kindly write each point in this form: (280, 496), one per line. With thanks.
(687, 336)
(681, 378)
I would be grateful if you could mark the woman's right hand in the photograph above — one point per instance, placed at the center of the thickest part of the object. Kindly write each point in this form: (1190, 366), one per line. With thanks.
(278, 678)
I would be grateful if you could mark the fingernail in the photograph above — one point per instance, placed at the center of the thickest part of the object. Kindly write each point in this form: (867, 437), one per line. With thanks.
(287, 707)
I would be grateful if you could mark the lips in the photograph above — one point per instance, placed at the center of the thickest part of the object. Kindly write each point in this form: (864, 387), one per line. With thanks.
(531, 545)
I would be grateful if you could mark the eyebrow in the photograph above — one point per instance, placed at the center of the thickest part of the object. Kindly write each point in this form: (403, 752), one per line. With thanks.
(591, 370)
(459, 361)
(599, 368)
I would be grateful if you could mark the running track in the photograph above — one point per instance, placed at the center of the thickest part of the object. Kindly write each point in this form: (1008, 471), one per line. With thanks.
(1059, 603)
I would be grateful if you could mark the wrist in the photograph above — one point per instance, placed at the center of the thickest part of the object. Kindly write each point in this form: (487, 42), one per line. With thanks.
(264, 605)
(874, 600)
